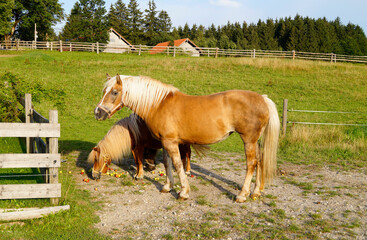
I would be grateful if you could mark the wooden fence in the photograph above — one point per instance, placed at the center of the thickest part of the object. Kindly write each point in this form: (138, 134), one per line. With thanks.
(285, 120)
(39, 154)
(173, 51)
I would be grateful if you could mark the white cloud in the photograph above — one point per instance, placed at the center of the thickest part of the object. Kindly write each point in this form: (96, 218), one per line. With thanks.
(225, 3)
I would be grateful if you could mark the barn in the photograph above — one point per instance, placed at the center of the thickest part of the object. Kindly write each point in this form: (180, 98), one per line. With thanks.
(188, 46)
(117, 43)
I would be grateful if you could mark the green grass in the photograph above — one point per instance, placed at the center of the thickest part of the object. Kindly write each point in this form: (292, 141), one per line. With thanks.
(81, 76)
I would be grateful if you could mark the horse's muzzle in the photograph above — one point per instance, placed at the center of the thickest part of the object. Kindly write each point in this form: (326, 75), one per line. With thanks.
(100, 114)
(96, 175)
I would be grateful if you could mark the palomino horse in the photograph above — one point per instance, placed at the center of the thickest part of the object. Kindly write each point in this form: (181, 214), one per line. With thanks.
(129, 135)
(176, 118)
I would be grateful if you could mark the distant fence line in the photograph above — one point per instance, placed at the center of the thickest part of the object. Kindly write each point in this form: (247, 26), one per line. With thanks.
(172, 50)
(286, 110)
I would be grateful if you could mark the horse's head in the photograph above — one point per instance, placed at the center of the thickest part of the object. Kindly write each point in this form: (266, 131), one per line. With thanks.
(100, 162)
(111, 101)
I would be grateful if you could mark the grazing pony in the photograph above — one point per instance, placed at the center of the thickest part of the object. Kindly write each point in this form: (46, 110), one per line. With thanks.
(177, 118)
(130, 135)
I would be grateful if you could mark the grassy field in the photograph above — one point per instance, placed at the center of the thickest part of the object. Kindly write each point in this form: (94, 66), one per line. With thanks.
(80, 78)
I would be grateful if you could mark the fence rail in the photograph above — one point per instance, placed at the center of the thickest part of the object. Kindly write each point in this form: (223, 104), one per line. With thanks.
(39, 154)
(286, 110)
(63, 46)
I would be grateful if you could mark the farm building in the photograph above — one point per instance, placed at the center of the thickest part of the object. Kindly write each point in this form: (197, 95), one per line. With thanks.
(185, 44)
(117, 43)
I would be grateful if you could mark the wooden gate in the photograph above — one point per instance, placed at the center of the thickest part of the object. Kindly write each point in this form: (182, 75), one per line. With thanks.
(39, 154)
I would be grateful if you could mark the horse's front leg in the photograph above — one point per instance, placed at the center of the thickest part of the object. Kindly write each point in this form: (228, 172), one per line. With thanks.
(167, 162)
(138, 157)
(174, 153)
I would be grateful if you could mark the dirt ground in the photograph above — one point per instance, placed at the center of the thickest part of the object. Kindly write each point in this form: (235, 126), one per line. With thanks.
(303, 202)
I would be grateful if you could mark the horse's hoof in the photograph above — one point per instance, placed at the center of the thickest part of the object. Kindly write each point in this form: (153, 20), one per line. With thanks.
(136, 177)
(255, 196)
(182, 197)
(165, 190)
(240, 199)
(188, 173)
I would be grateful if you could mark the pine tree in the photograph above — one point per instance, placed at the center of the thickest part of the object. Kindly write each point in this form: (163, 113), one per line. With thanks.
(185, 31)
(118, 18)
(164, 22)
(311, 44)
(253, 38)
(135, 22)
(151, 21)
(87, 22)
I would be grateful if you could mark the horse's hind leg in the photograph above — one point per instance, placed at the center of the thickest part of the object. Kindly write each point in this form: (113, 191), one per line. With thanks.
(250, 149)
(185, 152)
(149, 155)
(259, 186)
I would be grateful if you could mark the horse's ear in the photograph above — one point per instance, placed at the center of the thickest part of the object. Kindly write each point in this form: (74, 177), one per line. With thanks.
(96, 149)
(108, 76)
(118, 79)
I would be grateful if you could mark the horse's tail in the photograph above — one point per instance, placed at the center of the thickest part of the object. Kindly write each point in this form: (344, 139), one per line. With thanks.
(270, 142)
(201, 150)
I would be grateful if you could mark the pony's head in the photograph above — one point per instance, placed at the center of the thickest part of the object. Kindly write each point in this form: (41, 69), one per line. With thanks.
(100, 162)
(111, 101)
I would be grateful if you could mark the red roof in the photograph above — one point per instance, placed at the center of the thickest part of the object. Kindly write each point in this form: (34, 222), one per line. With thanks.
(160, 47)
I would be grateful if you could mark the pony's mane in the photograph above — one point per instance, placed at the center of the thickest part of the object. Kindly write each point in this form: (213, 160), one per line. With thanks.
(116, 144)
(142, 93)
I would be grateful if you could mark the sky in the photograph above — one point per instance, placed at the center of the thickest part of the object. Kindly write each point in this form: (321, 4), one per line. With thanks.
(219, 12)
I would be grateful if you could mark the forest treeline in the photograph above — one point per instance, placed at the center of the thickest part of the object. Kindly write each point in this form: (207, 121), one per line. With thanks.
(89, 21)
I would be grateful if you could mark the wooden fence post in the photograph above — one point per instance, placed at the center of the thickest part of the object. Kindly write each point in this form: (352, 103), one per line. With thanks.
(284, 117)
(54, 149)
(97, 47)
(254, 53)
(216, 52)
(71, 48)
(52, 46)
(28, 119)
(17, 46)
(60, 45)
(139, 49)
(174, 51)
(293, 54)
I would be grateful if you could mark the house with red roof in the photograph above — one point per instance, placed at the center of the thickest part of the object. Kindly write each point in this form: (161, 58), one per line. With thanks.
(185, 44)
(117, 43)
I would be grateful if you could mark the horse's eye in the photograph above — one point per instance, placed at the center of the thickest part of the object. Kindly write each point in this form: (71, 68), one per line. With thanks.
(114, 93)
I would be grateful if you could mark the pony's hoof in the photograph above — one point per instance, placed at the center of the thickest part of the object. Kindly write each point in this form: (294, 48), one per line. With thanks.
(240, 199)
(188, 173)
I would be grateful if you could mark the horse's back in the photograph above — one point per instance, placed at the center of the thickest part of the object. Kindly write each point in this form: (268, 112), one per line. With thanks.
(210, 118)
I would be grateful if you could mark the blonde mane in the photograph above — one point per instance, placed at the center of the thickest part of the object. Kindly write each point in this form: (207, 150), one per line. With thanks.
(116, 144)
(142, 93)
